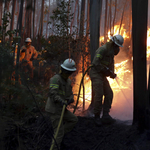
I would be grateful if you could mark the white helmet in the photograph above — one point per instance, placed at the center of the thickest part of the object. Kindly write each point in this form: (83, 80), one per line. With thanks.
(117, 39)
(28, 40)
(69, 65)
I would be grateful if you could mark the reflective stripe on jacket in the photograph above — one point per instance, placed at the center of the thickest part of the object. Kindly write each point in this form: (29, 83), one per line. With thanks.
(104, 57)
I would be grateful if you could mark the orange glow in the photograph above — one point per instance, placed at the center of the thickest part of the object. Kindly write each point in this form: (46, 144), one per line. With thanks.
(123, 91)
(115, 32)
(148, 43)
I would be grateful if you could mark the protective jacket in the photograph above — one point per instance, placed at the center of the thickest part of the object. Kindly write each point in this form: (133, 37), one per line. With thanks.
(28, 53)
(60, 90)
(104, 57)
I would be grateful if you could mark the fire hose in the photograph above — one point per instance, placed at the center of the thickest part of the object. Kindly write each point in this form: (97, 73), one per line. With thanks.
(80, 87)
(122, 91)
(61, 117)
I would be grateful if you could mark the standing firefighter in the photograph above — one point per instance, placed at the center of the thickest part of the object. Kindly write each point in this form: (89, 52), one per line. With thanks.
(60, 94)
(27, 54)
(103, 66)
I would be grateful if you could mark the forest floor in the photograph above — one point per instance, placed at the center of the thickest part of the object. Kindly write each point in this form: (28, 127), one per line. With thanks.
(34, 132)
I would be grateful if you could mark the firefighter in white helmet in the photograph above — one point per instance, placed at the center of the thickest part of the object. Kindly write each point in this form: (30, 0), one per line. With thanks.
(28, 53)
(60, 93)
(103, 66)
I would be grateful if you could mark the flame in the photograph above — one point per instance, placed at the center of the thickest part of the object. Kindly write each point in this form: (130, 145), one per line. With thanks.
(123, 93)
(115, 31)
(148, 43)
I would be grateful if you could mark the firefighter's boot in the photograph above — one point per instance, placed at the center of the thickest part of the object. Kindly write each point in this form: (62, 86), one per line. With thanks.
(97, 120)
(107, 119)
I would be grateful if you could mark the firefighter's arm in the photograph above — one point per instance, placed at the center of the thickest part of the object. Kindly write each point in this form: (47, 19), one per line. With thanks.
(69, 94)
(54, 91)
(112, 66)
(112, 75)
(99, 56)
(22, 50)
(102, 51)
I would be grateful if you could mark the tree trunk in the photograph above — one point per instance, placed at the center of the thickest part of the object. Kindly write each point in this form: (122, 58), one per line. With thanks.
(47, 21)
(12, 20)
(28, 18)
(95, 13)
(20, 29)
(42, 17)
(82, 15)
(1, 12)
(114, 15)
(122, 17)
(34, 8)
(105, 23)
(77, 21)
(110, 16)
(139, 32)
(72, 22)
(88, 18)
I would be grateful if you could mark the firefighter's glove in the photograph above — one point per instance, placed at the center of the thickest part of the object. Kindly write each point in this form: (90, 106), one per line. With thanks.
(113, 75)
(63, 103)
(106, 71)
(71, 100)
(60, 101)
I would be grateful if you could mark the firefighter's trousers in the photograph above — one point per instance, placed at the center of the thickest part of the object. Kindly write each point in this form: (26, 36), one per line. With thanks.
(28, 67)
(101, 88)
(68, 122)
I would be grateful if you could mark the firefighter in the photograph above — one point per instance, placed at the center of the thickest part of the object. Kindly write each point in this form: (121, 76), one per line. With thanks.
(103, 66)
(60, 93)
(27, 54)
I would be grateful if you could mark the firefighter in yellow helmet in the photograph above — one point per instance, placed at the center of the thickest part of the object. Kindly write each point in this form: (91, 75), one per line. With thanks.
(60, 93)
(27, 54)
(103, 66)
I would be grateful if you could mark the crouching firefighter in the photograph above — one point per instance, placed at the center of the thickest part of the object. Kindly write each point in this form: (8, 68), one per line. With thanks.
(103, 66)
(60, 94)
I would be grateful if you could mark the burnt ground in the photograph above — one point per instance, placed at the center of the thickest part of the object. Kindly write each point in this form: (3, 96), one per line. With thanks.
(34, 132)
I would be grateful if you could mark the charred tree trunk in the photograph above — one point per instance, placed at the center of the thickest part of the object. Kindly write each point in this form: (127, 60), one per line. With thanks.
(95, 13)
(82, 15)
(88, 18)
(28, 18)
(1, 12)
(139, 33)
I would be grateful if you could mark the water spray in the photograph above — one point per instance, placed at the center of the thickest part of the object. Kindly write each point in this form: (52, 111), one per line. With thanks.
(122, 91)
(124, 82)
